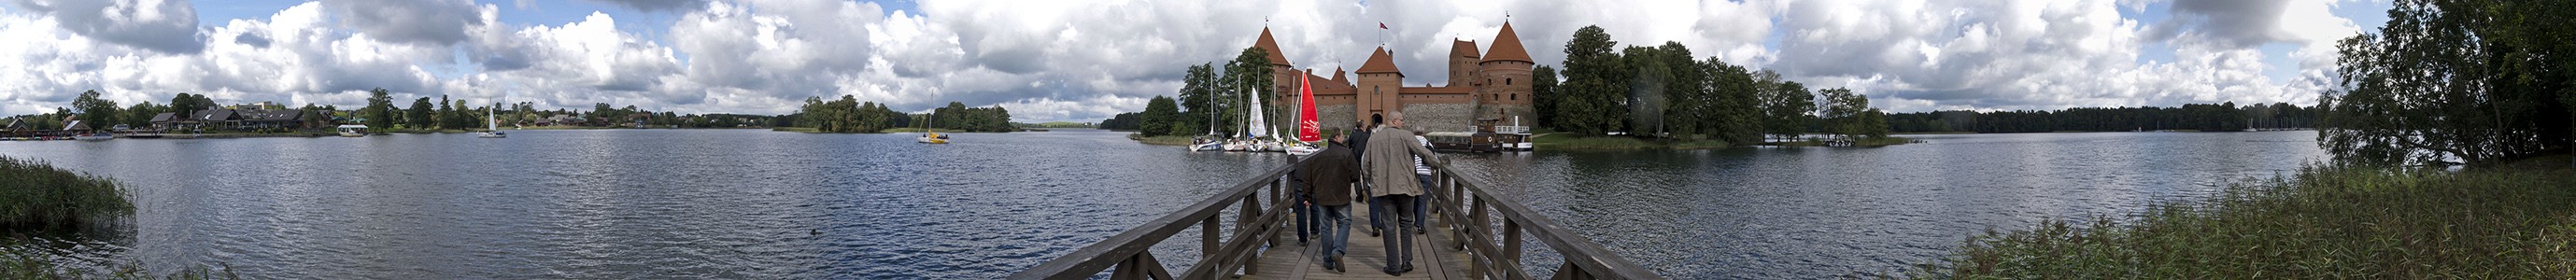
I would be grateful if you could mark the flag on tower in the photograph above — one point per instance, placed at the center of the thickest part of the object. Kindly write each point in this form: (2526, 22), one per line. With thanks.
(1381, 25)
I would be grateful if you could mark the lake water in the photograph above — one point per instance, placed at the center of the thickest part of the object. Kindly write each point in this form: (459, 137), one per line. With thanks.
(755, 204)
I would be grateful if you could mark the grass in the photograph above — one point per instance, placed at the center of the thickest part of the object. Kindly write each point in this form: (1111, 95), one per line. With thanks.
(2323, 222)
(1166, 140)
(37, 195)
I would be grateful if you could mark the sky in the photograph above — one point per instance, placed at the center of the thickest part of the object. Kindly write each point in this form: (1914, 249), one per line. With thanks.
(1084, 61)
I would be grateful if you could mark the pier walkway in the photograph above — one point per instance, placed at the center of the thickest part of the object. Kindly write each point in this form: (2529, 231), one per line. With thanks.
(1245, 232)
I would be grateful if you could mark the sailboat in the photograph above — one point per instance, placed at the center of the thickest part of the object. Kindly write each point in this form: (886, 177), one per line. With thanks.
(928, 136)
(492, 124)
(1308, 130)
(1255, 129)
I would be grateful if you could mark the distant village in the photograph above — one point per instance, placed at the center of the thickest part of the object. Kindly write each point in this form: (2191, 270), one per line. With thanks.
(271, 119)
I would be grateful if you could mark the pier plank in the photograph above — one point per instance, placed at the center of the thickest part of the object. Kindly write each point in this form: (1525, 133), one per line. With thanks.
(1365, 257)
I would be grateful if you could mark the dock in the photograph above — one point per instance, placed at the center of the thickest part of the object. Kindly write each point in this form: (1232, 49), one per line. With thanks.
(1245, 232)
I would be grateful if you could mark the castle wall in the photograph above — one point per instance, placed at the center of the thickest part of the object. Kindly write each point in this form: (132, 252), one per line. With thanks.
(1433, 117)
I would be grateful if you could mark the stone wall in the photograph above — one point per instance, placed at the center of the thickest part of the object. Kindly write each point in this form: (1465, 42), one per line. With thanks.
(1336, 116)
(1440, 117)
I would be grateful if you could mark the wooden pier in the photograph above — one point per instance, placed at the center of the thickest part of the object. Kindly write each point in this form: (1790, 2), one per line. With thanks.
(1245, 232)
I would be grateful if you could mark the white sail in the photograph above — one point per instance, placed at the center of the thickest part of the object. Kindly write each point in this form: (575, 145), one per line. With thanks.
(1257, 127)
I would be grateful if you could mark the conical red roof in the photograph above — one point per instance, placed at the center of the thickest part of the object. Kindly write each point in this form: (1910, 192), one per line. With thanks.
(1507, 47)
(1272, 46)
(1379, 62)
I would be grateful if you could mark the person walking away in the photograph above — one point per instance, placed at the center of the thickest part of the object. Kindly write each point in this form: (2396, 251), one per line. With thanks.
(1330, 175)
(1304, 205)
(1389, 172)
(1359, 149)
(1422, 174)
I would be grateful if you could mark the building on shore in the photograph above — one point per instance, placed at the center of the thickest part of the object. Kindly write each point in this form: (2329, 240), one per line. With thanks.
(1492, 85)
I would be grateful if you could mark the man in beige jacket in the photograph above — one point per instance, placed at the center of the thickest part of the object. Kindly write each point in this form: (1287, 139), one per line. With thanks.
(1390, 173)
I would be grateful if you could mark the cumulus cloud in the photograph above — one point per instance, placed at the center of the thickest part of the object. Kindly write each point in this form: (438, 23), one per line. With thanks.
(160, 25)
(1083, 61)
(410, 21)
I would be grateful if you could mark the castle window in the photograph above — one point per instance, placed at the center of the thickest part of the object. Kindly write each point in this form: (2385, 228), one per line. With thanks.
(1516, 96)
(1507, 81)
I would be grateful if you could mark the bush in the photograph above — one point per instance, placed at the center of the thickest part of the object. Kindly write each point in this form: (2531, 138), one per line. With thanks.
(39, 195)
(2325, 222)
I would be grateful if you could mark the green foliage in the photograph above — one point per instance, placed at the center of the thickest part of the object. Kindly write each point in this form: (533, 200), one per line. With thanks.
(2202, 117)
(99, 113)
(1849, 116)
(1787, 107)
(21, 261)
(1198, 98)
(35, 194)
(981, 119)
(2455, 82)
(1160, 113)
(846, 115)
(1596, 84)
(2326, 222)
(140, 115)
(421, 115)
(1246, 77)
(1543, 95)
(380, 109)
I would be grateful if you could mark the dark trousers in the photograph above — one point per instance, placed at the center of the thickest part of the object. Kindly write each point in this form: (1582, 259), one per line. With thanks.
(1399, 252)
(1422, 203)
(1307, 218)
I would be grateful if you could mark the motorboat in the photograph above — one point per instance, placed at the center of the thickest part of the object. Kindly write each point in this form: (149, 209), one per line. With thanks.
(1302, 149)
(352, 130)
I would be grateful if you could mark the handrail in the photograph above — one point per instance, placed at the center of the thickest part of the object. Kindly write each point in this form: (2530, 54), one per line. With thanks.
(1583, 258)
(1130, 251)
(1461, 201)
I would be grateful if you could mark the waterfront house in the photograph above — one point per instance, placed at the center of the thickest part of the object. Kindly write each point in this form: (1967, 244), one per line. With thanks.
(260, 119)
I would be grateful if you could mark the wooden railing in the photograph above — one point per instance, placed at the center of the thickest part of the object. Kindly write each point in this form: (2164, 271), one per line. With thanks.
(1260, 217)
(1256, 223)
(1470, 211)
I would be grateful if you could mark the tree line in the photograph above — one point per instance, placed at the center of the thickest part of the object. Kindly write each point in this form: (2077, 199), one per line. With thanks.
(2203, 117)
(849, 115)
(2455, 82)
(1209, 100)
(1661, 91)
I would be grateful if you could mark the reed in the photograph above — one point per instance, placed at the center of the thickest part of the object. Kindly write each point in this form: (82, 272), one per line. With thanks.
(35, 194)
(2323, 222)
(21, 262)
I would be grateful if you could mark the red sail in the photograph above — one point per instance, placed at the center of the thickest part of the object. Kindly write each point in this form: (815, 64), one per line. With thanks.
(1307, 129)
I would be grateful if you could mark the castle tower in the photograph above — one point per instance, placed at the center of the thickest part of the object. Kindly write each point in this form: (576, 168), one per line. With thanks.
(1283, 79)
(1506, 71)
(1462, 64)
(1379, 82)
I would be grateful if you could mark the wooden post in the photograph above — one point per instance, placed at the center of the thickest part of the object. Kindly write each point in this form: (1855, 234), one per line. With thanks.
(1512, 242)
(1208, 244)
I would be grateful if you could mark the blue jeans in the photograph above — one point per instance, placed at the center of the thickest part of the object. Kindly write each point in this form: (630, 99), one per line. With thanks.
(1378, 214)
(1336, 229)
(1306, 219)
(1422, 203)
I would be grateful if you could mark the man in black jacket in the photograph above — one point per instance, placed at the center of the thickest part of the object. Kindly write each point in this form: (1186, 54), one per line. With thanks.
(1329, 177)
(1359, 149)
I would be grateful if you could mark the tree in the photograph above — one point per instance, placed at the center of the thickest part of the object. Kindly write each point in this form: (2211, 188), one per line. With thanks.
(1849, 116)
(446, 115)
(1737, 112)
(1197, 97)
(1594, 86)
(1246, 77)
(2454, 82)
(99, 113)
(1160, 115)
(421, 116)
(1543, 95)
(1786, 105)
(140, 115)
(1649, 91)
(379, 111)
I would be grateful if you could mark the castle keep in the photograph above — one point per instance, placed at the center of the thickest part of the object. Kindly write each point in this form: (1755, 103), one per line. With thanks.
(1491, 85)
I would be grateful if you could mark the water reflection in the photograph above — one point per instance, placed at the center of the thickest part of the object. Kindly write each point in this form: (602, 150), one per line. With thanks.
(756, 204)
